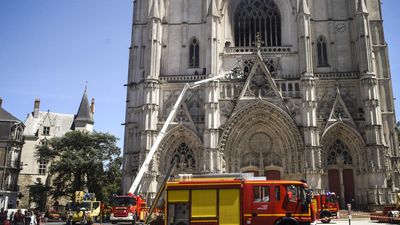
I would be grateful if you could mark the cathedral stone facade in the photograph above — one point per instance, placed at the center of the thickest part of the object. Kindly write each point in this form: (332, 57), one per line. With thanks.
(315, 102)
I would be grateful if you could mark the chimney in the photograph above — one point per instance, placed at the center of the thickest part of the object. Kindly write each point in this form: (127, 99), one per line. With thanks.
(92, 106)
(1, 101)
(36, 108)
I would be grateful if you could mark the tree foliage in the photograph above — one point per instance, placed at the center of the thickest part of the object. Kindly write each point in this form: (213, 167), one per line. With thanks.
(82, 161)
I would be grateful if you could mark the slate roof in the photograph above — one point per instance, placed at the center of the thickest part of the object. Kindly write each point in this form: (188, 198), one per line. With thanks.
(6, 116)
(61, 122)
(84, 113)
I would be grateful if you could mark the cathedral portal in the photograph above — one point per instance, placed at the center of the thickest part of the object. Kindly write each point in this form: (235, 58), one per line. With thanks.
(262, 138)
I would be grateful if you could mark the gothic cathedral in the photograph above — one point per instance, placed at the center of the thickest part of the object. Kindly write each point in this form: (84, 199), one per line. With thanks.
(315, 101)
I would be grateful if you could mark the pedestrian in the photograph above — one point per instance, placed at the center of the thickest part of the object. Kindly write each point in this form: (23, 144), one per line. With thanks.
(33, 218)
(11, 219)
(19, 218)
(38, 218)
(3, 216)
(27, 217)
(6, 221)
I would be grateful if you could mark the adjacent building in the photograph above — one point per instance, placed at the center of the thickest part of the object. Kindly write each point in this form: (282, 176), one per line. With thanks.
(11, 142)
(41, 126)
(316, 101)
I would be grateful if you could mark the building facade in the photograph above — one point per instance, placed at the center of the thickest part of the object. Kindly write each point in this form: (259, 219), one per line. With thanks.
(316, 101)
(41, 126)
(11, 142)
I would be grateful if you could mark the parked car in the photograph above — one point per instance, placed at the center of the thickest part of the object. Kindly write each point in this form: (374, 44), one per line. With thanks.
(56, 213)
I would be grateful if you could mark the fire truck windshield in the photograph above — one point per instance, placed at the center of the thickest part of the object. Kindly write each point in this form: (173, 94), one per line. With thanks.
(74, 206)
(296, 193)
(123, 201)
(331, 198)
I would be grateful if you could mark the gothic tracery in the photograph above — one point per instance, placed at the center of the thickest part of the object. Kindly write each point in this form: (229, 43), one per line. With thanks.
(339, 154)
(257, 16)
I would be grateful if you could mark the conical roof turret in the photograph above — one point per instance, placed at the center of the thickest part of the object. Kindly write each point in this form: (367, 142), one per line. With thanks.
(84, 112)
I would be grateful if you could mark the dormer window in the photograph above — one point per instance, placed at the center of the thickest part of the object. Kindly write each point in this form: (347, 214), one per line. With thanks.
(46, 131)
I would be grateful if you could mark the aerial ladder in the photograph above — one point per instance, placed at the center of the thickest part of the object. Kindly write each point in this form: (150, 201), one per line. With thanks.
(235, 74)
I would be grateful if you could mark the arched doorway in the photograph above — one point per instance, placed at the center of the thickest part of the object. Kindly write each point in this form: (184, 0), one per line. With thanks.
(259, 153)
(272, 174)
(262, 138)
(341, 172)
(344, 161)
(183, 146)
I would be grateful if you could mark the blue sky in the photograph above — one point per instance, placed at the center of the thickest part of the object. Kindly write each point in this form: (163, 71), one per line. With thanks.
(49, 49)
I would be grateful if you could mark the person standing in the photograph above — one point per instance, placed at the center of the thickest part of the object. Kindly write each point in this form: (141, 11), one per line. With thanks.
(33, 219)
(27, 219)
(38, 218)
(11, 219)
(19, 218)
(3, 216)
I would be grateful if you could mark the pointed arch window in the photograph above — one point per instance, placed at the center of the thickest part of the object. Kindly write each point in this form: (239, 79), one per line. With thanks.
(194, 53)
(257, 16)
(322, 52)
(339, 153)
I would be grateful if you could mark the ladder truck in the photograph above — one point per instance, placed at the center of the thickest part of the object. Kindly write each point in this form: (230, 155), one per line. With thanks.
(131, 207)
(235, 74)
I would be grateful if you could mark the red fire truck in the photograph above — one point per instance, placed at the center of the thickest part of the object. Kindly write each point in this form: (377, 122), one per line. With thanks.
(327, 206)
(239, 201)
(128, 208)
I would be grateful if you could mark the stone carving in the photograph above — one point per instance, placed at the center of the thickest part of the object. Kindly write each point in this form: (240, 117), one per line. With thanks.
(325, 100)
(184, 157)
(226, 108)
(182, 115)
(340, 27)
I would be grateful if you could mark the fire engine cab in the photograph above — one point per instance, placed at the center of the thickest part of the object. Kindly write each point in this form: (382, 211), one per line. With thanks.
(242, 200)
(128, 208)
(327, 206)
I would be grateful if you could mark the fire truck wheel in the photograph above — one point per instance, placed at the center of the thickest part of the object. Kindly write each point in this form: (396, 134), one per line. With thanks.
(325, 217)
(287, 221)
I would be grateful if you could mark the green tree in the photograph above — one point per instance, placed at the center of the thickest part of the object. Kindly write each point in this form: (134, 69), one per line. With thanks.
(82, 161)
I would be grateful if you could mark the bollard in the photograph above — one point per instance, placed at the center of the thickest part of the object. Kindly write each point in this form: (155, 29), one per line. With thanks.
(349, 211)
